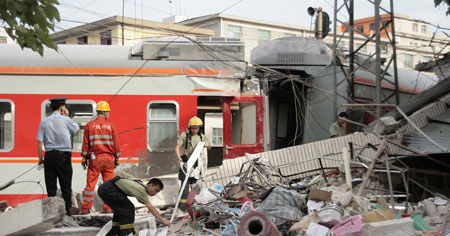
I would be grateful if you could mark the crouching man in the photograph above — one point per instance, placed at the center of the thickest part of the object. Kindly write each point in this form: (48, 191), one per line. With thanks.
(114, 192)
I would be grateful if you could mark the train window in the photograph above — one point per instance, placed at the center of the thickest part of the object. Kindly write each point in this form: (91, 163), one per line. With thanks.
(6, 125)
(81, 111)
(162, 126)
(214, 128)
(243, 123)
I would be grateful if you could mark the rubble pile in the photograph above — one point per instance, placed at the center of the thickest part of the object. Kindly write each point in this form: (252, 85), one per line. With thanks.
(436, 213)
(352, 199)
(258, 201)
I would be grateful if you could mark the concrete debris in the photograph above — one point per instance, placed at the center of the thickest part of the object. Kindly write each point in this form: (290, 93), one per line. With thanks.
(360, 199)
(34, 217)
(437, 216)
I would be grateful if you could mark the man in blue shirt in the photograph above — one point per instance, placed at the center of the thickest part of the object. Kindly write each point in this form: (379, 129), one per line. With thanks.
(54, 133)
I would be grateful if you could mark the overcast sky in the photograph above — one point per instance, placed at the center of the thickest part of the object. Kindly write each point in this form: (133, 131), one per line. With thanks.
(283, 11)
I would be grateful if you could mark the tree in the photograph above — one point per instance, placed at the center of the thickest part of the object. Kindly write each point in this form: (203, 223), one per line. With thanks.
(29, 22)
(439, 2)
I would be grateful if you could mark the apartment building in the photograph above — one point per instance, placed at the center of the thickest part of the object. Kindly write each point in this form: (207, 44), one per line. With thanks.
(252, 31)
(413, 36)
(4, 37)
(415, 41)
(108, 31)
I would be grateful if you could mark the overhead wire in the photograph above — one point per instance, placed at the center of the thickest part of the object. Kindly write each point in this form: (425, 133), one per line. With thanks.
(223, 62)
(167, 44)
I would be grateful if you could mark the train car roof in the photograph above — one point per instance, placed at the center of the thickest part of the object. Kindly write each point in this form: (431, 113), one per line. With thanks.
(106, 56)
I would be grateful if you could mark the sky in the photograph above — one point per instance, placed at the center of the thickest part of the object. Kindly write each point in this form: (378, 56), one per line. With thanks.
(292, 12)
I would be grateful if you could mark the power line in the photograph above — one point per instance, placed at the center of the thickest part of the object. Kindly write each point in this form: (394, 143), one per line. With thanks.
(167, 44)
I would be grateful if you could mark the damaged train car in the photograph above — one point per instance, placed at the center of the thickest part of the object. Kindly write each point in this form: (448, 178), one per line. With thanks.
(154, 89)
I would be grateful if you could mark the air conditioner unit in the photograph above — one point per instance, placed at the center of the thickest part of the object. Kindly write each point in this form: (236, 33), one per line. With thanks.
(199, 49)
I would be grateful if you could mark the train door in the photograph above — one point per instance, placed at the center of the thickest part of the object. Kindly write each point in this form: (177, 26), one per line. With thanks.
(209, 109)
(243, 120)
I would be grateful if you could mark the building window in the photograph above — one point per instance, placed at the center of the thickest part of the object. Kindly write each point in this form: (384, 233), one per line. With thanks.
(408, 60)
(363, 49)
(81, 111)
(424, 29)
(263, 35)
(213, 127)
(234, 31)
(383, 48)
(385, 23)
(289, 35)
(372, 26)
(105, 38)
(83, 40)
(426, 58)
(414, 27)
(162, 126)
(360, 29)
(6, 125)
(3, 39)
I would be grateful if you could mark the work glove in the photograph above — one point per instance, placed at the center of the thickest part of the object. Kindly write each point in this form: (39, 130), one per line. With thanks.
(84, 163)
(116, 163)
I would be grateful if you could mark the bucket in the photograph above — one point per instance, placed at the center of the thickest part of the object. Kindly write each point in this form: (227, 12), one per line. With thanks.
(331, 214)
(419, 223)
(246, 208)
(351, 225)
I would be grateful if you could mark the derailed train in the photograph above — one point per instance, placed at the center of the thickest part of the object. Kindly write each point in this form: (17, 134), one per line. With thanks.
(155, 87)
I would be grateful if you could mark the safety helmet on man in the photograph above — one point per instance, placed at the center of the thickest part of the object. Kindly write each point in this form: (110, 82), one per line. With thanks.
(195, 122)
(103, 106)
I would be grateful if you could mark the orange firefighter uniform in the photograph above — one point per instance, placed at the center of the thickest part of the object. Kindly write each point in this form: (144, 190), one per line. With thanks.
(99, 139)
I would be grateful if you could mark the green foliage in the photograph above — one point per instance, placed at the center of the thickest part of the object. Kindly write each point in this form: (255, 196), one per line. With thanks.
(439, 2)
(29, 22)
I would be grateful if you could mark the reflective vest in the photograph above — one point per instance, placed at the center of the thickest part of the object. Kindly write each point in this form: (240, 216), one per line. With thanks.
(100, 137)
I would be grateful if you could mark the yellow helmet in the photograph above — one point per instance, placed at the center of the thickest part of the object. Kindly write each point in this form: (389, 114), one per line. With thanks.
(195, 122)
(103, 106)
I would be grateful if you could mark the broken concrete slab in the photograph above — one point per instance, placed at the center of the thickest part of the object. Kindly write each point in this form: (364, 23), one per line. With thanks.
(403, 226)
(71, 231)
(34, 217)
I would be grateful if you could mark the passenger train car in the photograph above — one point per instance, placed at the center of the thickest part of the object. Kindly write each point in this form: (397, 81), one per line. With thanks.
(154, 89)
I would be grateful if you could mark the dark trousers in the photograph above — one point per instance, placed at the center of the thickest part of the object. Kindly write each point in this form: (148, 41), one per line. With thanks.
(58, 165)
(187, 189)
(123, 217)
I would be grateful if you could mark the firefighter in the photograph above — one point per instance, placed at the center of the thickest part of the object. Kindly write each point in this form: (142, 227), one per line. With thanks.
(115, 191)
(189, 140)
(102, 151)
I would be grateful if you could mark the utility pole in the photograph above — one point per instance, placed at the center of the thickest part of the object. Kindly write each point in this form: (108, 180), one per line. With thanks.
(334, 62)
(320, 23)
(123, 14)
(377, 98)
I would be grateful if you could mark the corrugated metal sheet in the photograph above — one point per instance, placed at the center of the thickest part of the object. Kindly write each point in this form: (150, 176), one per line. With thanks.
(422, 116)
(438, 129)
(283, 158)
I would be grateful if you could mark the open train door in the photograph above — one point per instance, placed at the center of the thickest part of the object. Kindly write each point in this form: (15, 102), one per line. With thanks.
(243, 120)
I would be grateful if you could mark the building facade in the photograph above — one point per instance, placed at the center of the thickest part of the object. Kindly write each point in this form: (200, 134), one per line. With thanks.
(4, 37)
(253, 32)
(108, 31)
(414, 39)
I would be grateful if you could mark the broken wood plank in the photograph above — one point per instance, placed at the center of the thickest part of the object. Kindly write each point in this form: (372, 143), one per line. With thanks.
(378, 154)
